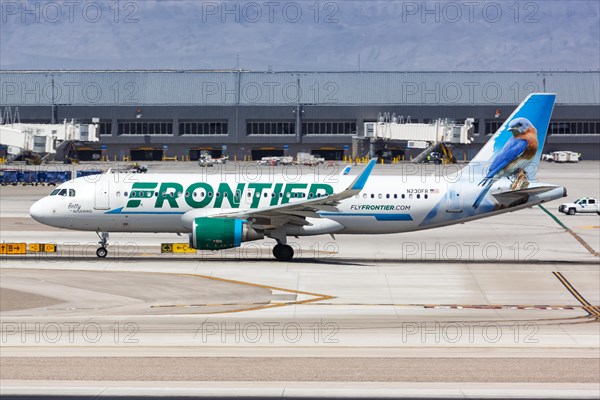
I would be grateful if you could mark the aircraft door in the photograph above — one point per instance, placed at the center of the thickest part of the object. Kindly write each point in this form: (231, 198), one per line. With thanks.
(454, 203)
(102, 198)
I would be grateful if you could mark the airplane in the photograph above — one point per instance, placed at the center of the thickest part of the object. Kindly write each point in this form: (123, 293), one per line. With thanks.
(223, 211)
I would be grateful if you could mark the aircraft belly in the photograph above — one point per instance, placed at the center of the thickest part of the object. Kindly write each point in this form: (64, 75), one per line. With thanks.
(370, 225)
(127, 223)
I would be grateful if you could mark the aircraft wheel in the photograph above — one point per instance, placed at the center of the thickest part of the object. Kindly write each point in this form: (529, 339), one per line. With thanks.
(283, 252)
(101, 252)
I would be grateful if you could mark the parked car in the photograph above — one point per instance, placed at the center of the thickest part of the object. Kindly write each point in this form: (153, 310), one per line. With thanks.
(583, 205)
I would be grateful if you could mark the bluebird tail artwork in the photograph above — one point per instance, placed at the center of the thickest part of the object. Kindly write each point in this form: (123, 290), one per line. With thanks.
(517, 146)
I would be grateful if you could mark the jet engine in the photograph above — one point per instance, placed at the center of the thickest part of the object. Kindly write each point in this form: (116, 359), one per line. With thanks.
(221, 233)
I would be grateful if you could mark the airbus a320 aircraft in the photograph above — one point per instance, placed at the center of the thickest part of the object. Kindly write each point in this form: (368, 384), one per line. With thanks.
(221, 212)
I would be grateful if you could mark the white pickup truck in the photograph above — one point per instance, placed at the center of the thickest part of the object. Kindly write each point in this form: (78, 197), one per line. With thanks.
(583, 205)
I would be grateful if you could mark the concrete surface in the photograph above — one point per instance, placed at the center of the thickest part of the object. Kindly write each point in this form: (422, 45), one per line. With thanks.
(510, 302)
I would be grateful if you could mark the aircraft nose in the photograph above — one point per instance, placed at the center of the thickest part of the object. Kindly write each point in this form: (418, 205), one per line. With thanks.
(38, 211)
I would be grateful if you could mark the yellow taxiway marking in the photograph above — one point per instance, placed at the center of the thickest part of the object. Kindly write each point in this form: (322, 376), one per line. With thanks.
(253, 306)
(588, 227)
(589, 308)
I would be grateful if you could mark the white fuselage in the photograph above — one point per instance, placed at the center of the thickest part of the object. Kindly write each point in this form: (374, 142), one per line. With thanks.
(159, 202)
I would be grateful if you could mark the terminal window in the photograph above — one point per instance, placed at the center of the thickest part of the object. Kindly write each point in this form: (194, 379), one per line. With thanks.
(104, 128)
(203, 128)
(271, 128)
(145, 128)
(329, 128)
(491, 126)
(574, 128)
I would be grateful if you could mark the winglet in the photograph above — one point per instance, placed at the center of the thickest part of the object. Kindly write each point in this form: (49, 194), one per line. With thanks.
(361, 180)
(346, 170)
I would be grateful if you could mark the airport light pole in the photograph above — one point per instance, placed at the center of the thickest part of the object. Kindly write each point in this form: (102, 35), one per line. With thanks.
(53, 109)
(298, 111)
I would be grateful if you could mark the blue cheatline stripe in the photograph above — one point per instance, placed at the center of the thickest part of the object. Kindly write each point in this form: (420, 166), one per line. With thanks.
(362, 179)
(237, 233)
(378, 216)
(120, 211)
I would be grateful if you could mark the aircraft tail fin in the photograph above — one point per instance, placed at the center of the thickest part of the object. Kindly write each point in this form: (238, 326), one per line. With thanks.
(535, 111)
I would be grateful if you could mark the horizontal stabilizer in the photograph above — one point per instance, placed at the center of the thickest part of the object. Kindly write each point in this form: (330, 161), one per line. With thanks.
(520, 196)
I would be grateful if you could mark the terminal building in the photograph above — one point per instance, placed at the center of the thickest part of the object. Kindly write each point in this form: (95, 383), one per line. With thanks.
(148, 115)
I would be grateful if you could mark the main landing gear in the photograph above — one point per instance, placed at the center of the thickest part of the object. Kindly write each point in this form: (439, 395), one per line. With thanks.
(283, 252)
(102, 252)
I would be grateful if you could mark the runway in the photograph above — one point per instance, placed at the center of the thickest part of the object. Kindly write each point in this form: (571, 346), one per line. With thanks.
(511, 302)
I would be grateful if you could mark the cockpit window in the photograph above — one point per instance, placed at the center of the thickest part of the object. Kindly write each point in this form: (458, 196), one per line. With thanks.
(63, 192)
(54, 192)
(71, 192)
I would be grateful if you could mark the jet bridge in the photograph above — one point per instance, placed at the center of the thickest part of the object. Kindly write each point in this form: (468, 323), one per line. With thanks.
(44, 139)
(439, 131)
(387, 130)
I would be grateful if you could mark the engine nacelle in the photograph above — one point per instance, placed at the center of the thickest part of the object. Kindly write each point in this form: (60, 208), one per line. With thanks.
(221, 233)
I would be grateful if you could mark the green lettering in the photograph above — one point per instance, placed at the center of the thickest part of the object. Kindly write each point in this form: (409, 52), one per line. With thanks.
(189, 199)
(289, 191)
(276, 193)
(226, 193)
(147, 192)
(163, 195)
(258, 189)
(321, 189)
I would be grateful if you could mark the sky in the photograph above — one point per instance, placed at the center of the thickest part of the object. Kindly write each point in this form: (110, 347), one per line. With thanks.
(301, 35)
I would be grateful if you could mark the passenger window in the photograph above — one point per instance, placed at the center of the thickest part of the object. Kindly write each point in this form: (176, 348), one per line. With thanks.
(426, 196)
(395, 196)
(71, 192)
(372, 196)
(418, 196)
(403, 196)
(218, 194)
(387, 196)
(125, 194)
(410, 196)
(380, 195)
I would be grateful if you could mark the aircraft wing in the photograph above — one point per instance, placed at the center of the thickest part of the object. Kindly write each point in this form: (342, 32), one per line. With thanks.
(297, 212)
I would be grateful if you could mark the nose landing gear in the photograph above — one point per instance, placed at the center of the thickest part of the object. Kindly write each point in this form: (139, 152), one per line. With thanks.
(102, 252)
